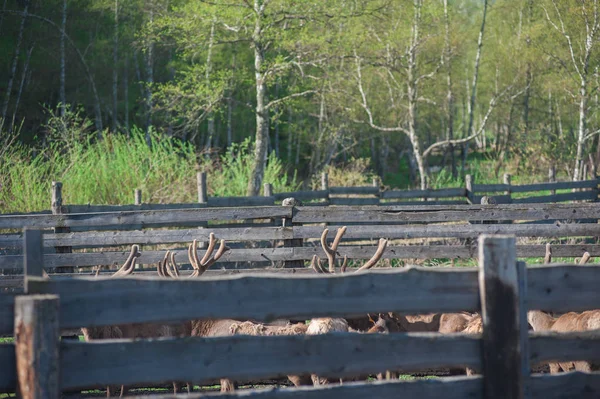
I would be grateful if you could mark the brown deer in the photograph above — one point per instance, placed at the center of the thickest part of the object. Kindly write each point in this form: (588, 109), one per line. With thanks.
(134, 330)
(216, 328)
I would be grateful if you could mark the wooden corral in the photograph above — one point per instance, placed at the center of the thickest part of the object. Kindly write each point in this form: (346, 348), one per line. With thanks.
(502, 289)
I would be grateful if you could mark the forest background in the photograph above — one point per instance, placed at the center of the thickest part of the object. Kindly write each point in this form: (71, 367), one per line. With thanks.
(111, 95)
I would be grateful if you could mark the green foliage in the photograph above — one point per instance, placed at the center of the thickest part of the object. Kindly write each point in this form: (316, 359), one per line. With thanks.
(356, 172)
(230, 177)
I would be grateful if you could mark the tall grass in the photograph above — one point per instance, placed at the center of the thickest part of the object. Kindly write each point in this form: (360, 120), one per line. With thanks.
(108, 171)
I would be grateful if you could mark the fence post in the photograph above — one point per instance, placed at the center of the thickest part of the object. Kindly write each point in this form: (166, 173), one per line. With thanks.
(505, 357)
(377, 183)
(294, 242)
(507, 181)
(325, 185)
(552, 177)
(33, 256)
(202, 188)
(37, 342)
(469, 181)
(57, 209)
(138, 196)
(267, 190)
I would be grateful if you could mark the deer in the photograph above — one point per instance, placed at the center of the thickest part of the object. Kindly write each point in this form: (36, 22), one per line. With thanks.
(134, 331)
(215, 328)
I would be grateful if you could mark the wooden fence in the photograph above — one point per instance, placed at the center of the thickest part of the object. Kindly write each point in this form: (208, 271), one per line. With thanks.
(502, 289)
(472, 193)
(300, 231)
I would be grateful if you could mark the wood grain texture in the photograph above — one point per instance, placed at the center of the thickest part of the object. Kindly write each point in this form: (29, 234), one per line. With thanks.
(562, 386)
(441, 213)
(104, 301)
(7, 313)
(8, 368)
(163, 217)
(489, 188)
(303, 195)
(430, 193)
(353, 201)
(250, 357)
(552, 346)
(500, 310)
(37, 338)
(272, 255)
(565, 185)
(580, 196)
(241, 201)
(354, 190)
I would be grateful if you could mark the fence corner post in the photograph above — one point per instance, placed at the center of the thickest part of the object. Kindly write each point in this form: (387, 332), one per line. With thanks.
(267, 190)
(507, 181)
(293, 242)
(202, 187)
(138, 196)
(58, 209)
(37, 340)
(469, 181)
(552, 177)
(505, 363)
(325, 185)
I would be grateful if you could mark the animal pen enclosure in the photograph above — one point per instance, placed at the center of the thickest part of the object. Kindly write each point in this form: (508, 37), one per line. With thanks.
(502, 289)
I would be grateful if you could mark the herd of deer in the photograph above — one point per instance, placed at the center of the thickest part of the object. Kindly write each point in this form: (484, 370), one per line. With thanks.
(382, 323)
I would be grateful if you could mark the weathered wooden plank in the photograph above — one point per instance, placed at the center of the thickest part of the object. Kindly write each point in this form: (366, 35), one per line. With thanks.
(550, 346)
(416, 203)
(303, 195)
(298, 253)
(566, 386)
(500, 311)
(488, 188)
(164, 217)
(578, 196)
(125, 208)
(445, 213)
(353, 201)
(354, 190)
(498, 199)
(447, 388)
(37, 338)
(7, 313)
(562, 386)
(564, 185)
(453, 231)
(8, 368)
(241, 201)
(106, 301)
(548, 286)
(247, 357)
(146, 237)
(430, 193)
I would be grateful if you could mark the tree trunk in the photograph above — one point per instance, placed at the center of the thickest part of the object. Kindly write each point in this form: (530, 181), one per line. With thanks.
(2, 15)
(21, 86)
(62, 98)
(582, 129)
(277, 130)
(149, 80)
(126, 92)
(450, 94)
(13, 68)
(211, 117)
(290, 135)
(262, 117)
(475, 78)
(115, 82)
(413, 95)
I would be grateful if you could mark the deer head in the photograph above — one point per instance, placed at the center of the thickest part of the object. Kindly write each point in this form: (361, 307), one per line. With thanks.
(331, 251)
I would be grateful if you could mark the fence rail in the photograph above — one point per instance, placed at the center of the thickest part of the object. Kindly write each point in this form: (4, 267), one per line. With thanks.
(366, 195)
(502, 288)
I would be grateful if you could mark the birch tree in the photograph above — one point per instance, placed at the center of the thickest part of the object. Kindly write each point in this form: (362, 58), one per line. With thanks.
(579, 57)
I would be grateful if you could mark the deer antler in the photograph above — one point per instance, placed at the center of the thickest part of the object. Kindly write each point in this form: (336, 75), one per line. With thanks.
(548, 257)
(317, 266)
(200, 266)
(586, 256)
(161, 268)
(330, 251)
(172, 268)
(129, 264)
(378, 254)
